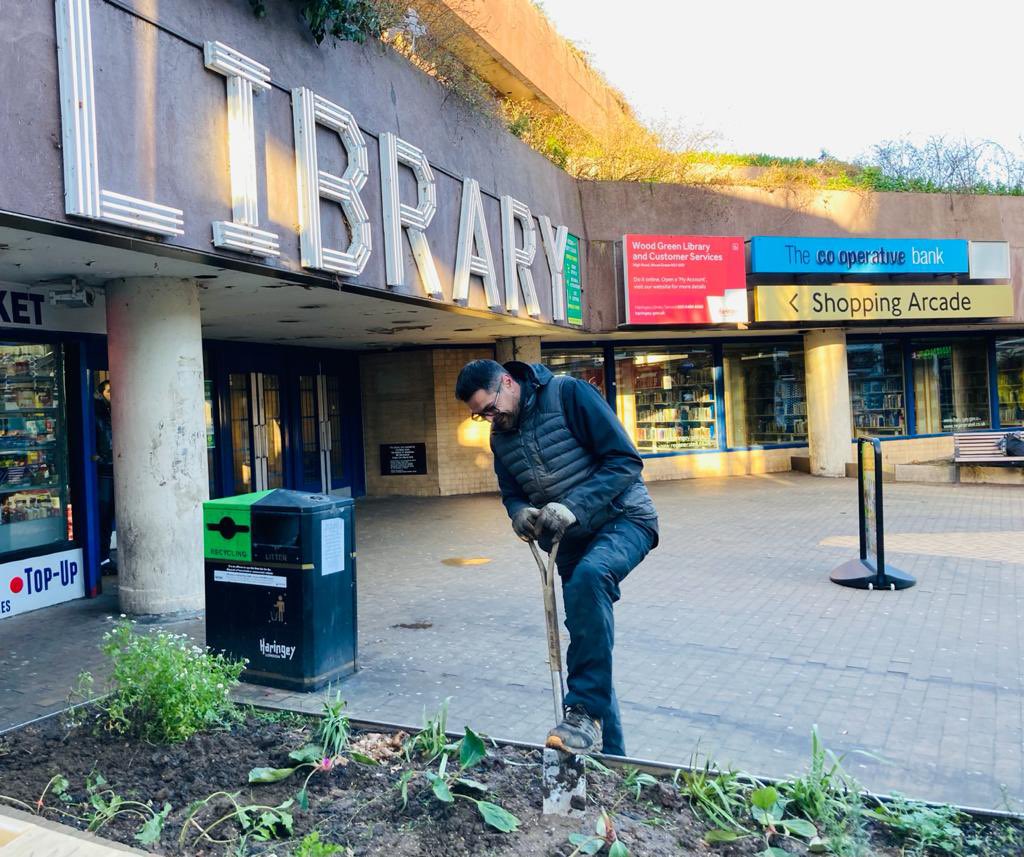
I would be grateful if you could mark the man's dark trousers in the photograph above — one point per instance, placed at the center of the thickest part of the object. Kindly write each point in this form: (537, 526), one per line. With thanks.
(591, 568)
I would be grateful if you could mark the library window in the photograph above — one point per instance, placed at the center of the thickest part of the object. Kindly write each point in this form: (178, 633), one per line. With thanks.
(666, 398)
(1010, 378)
(950, 385)
(765, 394)
(877, 402)
(585, 364)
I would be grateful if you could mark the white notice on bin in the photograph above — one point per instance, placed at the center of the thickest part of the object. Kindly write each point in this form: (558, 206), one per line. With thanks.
(332, 546)
(258, 577)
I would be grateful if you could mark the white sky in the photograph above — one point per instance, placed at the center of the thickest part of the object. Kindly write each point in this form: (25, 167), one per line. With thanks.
(792, 77)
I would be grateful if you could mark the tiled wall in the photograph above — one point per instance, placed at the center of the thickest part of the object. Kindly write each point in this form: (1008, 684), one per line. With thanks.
(398, 407)
(409, 397)
(463, 445)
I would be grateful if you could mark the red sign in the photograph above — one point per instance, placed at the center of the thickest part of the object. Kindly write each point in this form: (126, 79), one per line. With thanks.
(684, 279)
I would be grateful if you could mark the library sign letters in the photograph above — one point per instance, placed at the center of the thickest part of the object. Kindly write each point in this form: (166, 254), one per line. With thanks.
(684, 279)
(245, 78)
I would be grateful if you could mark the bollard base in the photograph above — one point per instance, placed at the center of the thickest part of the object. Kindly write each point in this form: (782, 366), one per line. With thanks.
(857, 574)
(565, 783)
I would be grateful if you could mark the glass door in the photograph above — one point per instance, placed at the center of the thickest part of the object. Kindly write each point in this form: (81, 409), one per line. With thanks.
(257, 441)
(320, 420)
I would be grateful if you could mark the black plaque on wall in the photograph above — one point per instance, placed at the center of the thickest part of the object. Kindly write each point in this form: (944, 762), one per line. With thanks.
(403, 459)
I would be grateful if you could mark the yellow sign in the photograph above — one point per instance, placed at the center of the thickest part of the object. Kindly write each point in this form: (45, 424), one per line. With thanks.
(869, 302)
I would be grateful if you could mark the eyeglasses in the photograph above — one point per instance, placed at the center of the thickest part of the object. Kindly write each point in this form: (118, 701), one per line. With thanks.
(490, 412)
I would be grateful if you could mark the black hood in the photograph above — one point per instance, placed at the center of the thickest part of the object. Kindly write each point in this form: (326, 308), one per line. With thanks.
(536, 374)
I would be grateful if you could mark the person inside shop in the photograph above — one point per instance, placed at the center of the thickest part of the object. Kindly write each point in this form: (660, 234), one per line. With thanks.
(104, 472)
(568, 471)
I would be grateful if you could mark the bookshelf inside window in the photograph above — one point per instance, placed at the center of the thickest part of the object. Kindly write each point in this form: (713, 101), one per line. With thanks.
(877, 396)
(666, 399)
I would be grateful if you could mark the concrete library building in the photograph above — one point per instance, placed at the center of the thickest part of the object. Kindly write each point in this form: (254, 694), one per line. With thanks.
(278, 256)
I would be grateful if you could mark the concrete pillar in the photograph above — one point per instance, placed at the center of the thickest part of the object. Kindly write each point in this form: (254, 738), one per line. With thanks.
(523, 348)
(155, 350)
(828, 401)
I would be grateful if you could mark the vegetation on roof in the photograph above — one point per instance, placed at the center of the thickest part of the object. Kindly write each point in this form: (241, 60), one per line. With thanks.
(627, 149)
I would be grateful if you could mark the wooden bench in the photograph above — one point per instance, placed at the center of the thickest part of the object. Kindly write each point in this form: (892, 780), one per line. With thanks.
(982, 448)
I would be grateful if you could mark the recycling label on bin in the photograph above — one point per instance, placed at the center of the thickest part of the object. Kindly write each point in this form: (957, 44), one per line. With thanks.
(227, 527)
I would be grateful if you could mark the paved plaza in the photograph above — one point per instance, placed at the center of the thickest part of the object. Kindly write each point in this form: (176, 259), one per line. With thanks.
(730, 638)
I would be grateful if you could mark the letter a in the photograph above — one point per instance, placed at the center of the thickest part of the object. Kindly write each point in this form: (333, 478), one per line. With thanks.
(473, 229)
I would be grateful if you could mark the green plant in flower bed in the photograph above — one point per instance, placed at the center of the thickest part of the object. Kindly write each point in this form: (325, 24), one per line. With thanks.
(334, 726)
(922, 828)
(164, 687)
(432, 740)
(447, 785)
(329, 753)
(258, 822)
(311, 846)
(768, 810)
(718, 797)
(829, 797)
(635, 781)
(102, 807)
(105, 805)
(604, 835)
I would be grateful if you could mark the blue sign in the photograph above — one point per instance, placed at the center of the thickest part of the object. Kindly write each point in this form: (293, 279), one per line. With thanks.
(783, 255)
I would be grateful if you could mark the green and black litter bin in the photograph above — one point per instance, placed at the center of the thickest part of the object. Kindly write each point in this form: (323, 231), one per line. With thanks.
(281, 586)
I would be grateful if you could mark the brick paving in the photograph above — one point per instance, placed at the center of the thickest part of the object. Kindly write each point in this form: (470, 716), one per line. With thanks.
(730, 638)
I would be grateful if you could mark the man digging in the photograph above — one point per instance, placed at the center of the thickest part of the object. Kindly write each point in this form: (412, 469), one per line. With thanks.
(568, 472)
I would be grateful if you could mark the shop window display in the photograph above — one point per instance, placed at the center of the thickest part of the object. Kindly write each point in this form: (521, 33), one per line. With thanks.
(33, 448)
(877, 400)
(766, 399)
(666, 399)
(587, 365)
(950, 386)
(1010, 379)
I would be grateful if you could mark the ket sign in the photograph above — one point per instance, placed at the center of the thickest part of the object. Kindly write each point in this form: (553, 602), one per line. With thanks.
(245, 78)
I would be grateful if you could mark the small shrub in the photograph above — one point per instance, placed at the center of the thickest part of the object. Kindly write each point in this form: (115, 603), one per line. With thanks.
(431, 741)
(831, 798)
(165, 688)
(717, 797)
(334, 726)
(311, 846)
(921, 827)
(345, 20)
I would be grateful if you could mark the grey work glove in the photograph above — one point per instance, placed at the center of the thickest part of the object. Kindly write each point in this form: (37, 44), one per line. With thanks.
(524, 521)
(555, 518)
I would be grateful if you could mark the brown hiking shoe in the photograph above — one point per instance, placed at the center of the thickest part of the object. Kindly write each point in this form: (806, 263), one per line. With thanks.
(578, 733)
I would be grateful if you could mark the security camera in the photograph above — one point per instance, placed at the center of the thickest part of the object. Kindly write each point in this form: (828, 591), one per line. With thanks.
(75, 296)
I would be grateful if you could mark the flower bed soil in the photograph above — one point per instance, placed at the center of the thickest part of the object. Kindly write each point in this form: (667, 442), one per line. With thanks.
(355, 805)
